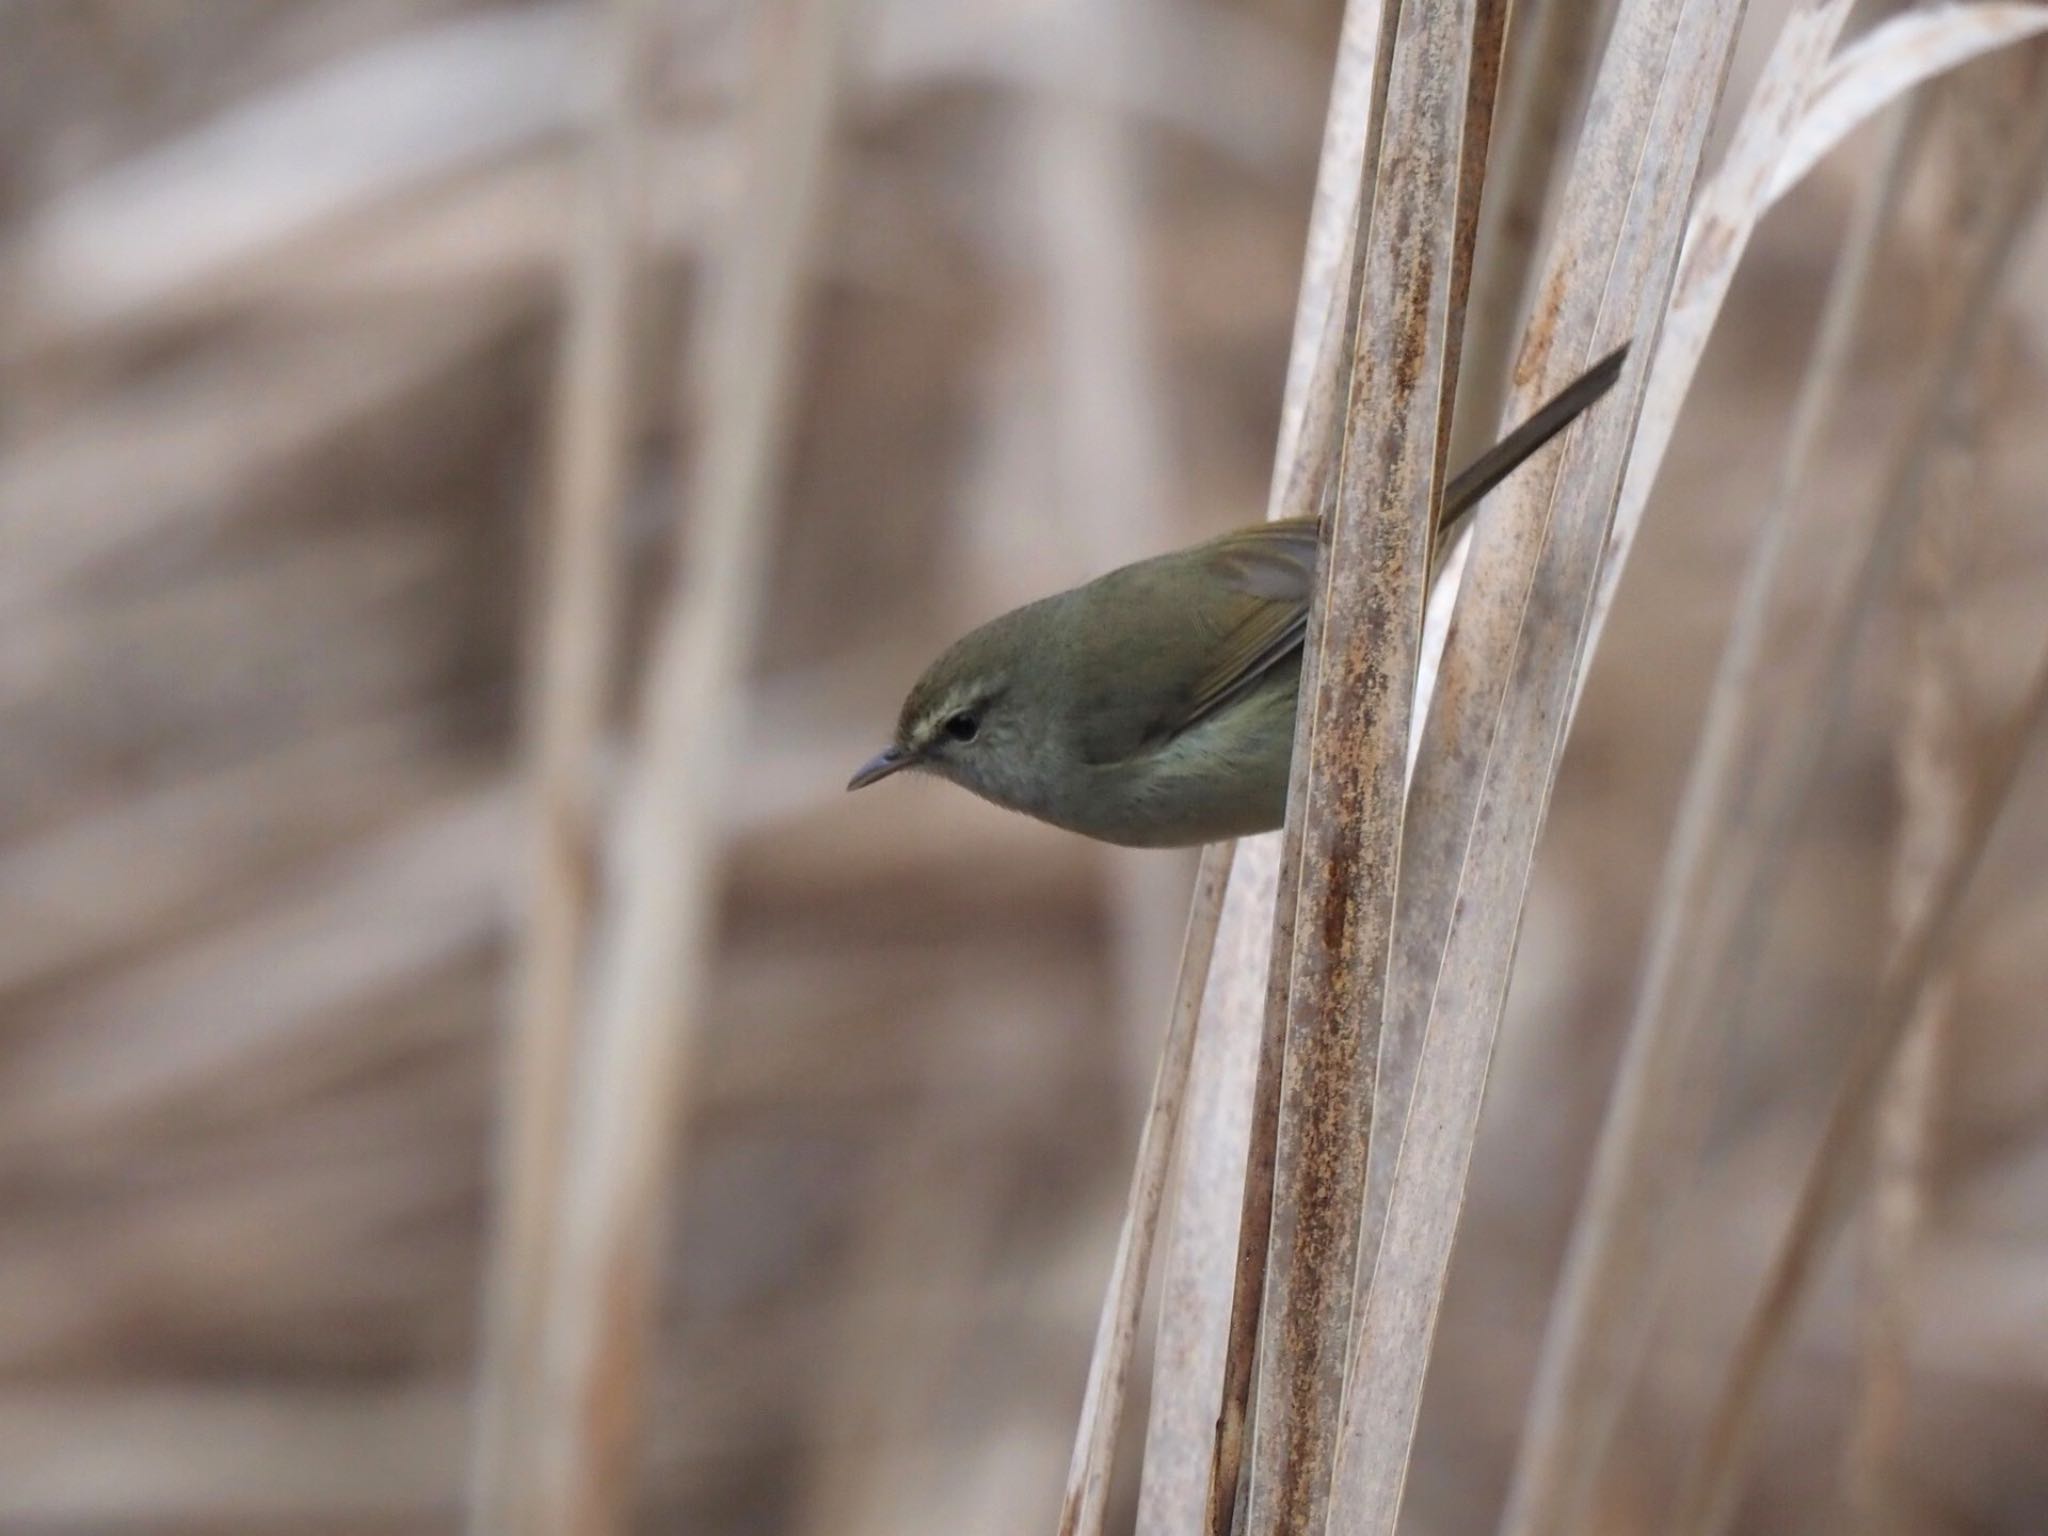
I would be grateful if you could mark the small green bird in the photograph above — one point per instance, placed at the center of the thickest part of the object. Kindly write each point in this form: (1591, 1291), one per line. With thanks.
(1154, 706)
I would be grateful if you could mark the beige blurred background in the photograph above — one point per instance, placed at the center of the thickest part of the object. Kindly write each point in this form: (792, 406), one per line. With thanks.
(280, 294)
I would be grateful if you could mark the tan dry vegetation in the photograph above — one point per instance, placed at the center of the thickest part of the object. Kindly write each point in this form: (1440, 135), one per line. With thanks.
(275, 416)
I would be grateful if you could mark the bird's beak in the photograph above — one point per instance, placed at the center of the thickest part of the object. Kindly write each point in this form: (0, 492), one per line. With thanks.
(885, 762)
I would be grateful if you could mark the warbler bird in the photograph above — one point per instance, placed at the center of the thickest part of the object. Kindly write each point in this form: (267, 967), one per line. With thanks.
(1154, 706)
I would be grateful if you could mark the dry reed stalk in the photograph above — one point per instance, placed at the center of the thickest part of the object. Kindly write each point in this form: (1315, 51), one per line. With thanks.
(1195, 1280)
(1307, 489)
(1544, 80)
(1707, 1498)
(1902, 1160)
(1574, 319)
(652, 950)
(1110, 460)
(1545, 69)
(1833, 97)
(1116, 1337)
(1415, 238)
(1712, 1484)
(568, 698)
(1316, 354)
(367, 128)
(1932, 765)
(1656, 1118)
(1891, 59)
(1730, 205)
(1216, 1261)
(1495, 727)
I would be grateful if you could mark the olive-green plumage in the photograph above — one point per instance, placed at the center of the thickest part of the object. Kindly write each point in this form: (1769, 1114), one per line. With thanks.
(1154, 706)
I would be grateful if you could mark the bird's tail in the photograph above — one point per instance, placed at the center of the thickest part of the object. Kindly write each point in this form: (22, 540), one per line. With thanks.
(1471, 484)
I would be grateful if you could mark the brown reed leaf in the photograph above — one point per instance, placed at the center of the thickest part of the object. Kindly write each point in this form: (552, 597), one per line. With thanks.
(568, 699)
(1546, 67)
(1196, 1279)
(1587, 1348)
(1707, 1498)
(652, 949)
(1806, 106)
(1935, 736)
(1706, 1501)
(1116, 1336)
(1891, 59)
(1656, 1117)
(1416, 242)
(1539, 91)
(1495, 726)
(1223, 1284)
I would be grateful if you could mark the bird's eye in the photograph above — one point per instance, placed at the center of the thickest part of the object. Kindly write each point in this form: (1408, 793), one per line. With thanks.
(963, 726)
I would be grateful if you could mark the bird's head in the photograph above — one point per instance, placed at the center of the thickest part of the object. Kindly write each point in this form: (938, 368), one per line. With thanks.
(968, 719)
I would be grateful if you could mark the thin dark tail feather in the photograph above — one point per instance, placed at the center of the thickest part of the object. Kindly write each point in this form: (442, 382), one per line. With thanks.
(1471, 484)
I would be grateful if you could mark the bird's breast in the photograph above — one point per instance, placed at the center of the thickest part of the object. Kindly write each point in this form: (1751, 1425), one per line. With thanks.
(1223, 777)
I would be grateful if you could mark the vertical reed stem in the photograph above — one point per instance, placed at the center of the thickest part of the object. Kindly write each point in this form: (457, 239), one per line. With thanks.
(1932, 763)
(653, 953)
(1707, 1499)
(569, 694)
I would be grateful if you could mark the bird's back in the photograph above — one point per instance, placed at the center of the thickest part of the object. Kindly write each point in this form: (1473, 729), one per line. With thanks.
(1173, 697)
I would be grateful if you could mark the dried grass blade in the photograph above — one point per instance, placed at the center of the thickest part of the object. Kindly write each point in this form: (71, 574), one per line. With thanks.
(1198, 1350)
(1546, 65)
(1592, 1337)
(1952, 821)
(1724, 219)
(1301, 492)
(1314, 361)
(359, 132)
(1653, 1130)
(1931, 758)
(1180, 1442)
(1856, 84)
(1116, 1335)
(569, 693)
(1442, 809)
(653, 950)
(1892, 59)
(1707, 1500)
(1195, 1285)
(1443, 70)
(1495, 724)
(1905, 1147)
(1546, 68)
(1317, 441)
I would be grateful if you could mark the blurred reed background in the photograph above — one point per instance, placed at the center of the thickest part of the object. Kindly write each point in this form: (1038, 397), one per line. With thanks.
(331, 329)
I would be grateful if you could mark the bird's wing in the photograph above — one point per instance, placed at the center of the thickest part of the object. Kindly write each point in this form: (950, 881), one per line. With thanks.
(1251, 614)
(1199, 628)
(1264, 573)
(1258, 615)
